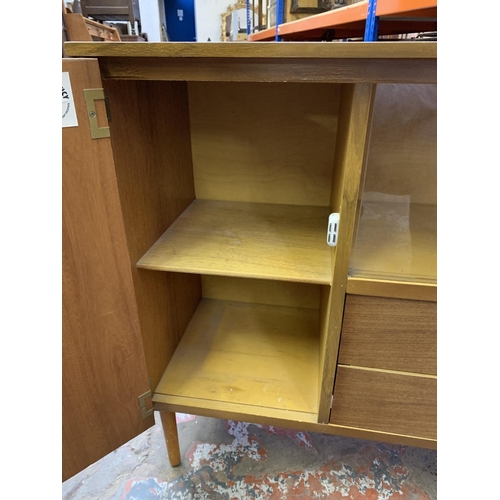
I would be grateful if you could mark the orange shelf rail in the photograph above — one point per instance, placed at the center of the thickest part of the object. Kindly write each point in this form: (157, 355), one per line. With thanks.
(395, 17)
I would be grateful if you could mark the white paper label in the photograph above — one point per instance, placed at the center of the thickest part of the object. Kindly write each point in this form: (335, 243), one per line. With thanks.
(68, 106)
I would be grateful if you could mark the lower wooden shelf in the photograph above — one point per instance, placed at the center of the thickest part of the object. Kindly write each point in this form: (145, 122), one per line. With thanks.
(248, 358)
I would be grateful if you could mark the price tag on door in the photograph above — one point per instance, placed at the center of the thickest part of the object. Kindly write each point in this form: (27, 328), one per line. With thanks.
(68, 106)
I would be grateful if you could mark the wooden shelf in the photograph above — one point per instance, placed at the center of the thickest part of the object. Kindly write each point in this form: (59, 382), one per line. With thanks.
(252, 240)
(396, 241)
(234, 353)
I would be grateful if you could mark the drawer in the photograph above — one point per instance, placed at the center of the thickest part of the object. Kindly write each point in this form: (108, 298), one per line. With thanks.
(391, 334)
(387, 402)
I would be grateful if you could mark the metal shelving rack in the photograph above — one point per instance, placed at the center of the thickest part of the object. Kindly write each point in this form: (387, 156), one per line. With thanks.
(366, 20)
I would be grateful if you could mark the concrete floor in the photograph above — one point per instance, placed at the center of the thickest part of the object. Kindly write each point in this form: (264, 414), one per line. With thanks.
(224, 459)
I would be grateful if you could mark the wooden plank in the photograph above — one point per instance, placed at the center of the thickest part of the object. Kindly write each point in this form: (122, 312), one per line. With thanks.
(330, 70)
(265, 50)
(392, 334)
(103, 366)
(257, 355)
(278, 293)
(395, 289)
(240, 411)
(350, 154)
(244, 152)
(152, 152)
(283, 418)
(250, 240)
(387, 402)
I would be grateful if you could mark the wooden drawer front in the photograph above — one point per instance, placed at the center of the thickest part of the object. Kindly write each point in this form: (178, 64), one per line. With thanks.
(387, 402)
(391, 334)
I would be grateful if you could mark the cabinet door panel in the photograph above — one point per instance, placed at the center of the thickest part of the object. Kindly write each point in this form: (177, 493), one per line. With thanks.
(103, 367)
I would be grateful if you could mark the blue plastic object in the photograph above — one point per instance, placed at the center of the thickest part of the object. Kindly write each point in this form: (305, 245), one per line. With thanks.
(371, 27)
(279, 17)
(249, 23)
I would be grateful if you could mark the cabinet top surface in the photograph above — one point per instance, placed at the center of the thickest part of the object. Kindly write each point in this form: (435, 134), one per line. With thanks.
(262, 50)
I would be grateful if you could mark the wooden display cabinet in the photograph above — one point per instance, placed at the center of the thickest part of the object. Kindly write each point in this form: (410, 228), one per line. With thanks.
(196, 263)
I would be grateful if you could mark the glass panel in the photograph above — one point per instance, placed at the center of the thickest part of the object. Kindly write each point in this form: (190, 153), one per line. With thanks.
(396, 227)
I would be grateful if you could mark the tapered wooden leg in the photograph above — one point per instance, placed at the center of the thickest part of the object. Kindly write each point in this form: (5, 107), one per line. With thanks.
(171, 438)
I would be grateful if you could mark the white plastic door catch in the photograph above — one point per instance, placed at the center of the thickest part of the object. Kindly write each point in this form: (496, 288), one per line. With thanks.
(333, 229)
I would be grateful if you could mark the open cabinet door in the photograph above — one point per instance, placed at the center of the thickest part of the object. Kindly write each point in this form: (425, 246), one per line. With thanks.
(104, 370)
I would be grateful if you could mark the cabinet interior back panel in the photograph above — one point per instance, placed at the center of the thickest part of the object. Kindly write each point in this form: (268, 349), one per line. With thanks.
(254, 291)
(263, 142)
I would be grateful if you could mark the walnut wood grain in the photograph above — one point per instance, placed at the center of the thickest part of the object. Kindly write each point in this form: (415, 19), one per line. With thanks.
(392, 334)
(271, 70)
(387, 402)
(103, 366)
(393, 50)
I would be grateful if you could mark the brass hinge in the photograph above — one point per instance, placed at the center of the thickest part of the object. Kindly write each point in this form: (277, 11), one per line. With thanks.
(142, 405)
(92, 95)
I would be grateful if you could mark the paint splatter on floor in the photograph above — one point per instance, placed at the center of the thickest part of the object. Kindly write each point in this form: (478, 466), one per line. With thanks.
(376, 472)
(145, 489)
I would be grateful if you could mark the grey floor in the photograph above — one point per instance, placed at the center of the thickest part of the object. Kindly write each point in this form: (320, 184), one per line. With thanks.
(235, 460)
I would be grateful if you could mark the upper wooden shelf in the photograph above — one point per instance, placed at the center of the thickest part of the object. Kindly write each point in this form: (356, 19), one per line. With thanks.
(252, 240)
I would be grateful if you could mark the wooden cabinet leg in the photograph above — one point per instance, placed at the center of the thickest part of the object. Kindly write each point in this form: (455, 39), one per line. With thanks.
(171, 438)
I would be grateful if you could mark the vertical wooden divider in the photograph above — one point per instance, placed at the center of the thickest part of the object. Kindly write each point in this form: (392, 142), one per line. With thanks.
(350, 153)
(151, 139)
